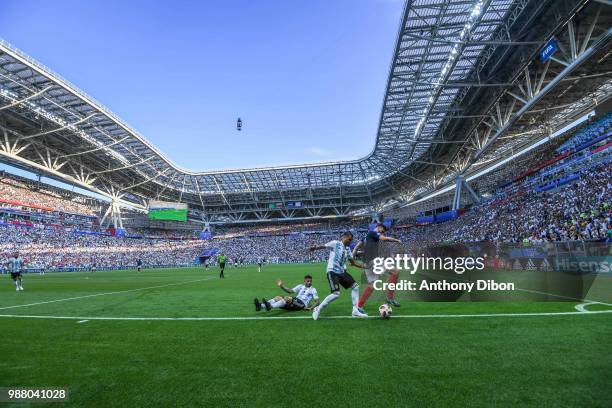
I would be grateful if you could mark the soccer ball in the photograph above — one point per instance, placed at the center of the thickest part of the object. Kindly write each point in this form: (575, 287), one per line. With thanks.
(385, 311)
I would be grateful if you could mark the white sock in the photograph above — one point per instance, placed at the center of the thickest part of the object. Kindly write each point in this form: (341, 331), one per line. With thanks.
(330, 298)
(355, 295)
(278, 303)
(17, 284)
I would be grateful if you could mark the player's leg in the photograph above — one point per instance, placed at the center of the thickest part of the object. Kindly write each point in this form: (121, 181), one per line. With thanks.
(266, 304)
(279, 302)
(14, 277)
(365, 295)
(274, 303)
(356, 312)
(391, 292)
(348, 283)
(17, 280)
(371, 277)
(334, 286)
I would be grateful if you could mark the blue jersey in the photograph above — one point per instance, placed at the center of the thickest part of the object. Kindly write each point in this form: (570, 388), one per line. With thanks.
(371, 246)
(337, 257)
(15, 264)
(372, 237)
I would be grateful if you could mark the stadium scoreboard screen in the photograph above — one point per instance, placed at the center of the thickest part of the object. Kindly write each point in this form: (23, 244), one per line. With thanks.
(289, 204)
(167, 211)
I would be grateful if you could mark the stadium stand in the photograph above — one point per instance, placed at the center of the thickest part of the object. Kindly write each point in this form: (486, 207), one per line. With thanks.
(21, 192)
(558, 192)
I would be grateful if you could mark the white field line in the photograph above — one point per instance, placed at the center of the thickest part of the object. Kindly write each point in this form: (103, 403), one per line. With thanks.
(543, 293)
(105, 294)
(581, 310)
(565, 297)
(428, 316)
(582, 307)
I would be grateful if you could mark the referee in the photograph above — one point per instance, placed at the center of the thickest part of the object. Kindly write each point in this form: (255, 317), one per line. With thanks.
(221, 259)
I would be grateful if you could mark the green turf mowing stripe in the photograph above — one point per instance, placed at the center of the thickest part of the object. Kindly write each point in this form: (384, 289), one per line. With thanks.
(104, 294)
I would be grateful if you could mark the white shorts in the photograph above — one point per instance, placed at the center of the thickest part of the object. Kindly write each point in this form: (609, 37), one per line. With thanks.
(368, 268)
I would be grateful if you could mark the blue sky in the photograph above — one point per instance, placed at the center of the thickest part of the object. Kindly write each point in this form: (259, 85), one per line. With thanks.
(306, 77)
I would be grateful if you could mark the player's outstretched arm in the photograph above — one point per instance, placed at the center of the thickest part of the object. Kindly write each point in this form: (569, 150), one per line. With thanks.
(279, 283)
(317, 247)
(357, 248)
(355, 264)
(390, 239)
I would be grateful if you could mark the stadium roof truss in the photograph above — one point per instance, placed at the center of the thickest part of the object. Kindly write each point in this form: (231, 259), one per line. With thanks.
(464, 73)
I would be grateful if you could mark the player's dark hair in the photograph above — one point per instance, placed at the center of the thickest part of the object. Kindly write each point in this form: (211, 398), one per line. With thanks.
(347, 234)
(307, 277)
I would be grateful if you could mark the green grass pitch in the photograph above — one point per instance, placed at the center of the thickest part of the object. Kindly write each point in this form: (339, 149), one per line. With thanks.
(520, 354)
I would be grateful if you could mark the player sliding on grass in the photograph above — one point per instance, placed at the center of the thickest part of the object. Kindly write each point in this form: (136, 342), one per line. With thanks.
(15, 266)
(305, 295)
(371, 245)
(337, 274)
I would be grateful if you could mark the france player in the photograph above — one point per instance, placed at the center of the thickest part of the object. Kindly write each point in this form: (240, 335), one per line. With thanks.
(15, 267)
(371, 245)
(337, 275)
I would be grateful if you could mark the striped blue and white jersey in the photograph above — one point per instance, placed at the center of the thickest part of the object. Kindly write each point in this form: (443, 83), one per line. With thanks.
(338, 256)
(305, 294)
(15, 264)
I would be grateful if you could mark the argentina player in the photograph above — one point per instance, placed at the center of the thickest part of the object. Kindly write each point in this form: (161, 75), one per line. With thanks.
(15, 267)
(337, 275)
(306, 297)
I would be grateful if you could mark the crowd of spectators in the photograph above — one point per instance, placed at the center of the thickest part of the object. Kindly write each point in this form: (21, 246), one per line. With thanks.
(578, 209)
(54, 248)
(19, 192)
(49, 248)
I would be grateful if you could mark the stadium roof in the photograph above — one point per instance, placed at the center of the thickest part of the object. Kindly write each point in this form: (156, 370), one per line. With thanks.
(458, 66)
